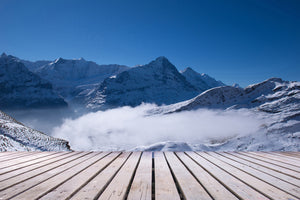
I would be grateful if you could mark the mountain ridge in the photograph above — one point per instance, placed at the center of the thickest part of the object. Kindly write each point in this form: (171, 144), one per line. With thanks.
(21, 88)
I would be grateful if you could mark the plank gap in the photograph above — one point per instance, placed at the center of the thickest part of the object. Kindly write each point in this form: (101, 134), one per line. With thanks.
(132, 177)
(175, 180)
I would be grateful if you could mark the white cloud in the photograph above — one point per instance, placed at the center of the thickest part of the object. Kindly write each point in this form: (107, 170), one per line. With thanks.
(126, 128)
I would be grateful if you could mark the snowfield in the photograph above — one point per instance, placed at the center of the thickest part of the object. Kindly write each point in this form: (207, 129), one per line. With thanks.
(14, 136)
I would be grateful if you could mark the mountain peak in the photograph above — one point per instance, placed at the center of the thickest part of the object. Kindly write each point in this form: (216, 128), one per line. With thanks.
(161, 62)
(274, 79)
(59, 60)
(161, 58)
(3, 55)
(189, 70)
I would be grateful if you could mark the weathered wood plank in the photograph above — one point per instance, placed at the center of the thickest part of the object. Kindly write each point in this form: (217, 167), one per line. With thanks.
(263, 187)
(46, 186)
(13, 171)
(8, 153)
(12, 167)
(215, 189)
(279, 184)
(176, 175)
(96, 186)
(288, 154)
(269, 165)
(25, 159)
(118, 186)
(165, 188)
(269, 171)
(16, 157)
(141, 187)
(280, 162)
(14, 180)
(235, 185)
(281, 158)
(70, 187)
(190, 187)
(31, 181)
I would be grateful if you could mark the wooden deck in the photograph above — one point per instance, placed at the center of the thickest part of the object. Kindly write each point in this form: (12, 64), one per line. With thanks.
(148, 175)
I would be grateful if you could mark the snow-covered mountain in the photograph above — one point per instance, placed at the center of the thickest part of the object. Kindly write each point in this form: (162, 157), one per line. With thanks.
(14, 136)
(274, 101)
(158, 82)
(20, 88)
(201, 81)
(272, 95)
(71, 77)
(33, 66)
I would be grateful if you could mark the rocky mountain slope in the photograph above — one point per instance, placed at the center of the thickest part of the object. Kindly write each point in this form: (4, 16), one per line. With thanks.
(14, 136)
(201, 81)
(71, 77)
(273, 95)
(158, 82)
(20, 88)
(274, 101)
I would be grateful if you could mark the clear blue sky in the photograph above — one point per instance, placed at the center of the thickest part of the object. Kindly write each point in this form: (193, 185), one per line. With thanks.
(243, 41)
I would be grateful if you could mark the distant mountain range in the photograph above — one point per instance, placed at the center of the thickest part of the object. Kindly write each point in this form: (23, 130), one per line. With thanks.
(21, 88)
(158, 82)
(93, 86)
(87, 85)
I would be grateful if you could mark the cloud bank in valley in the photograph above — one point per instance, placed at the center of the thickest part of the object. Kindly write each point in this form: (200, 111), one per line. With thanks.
(126, 128)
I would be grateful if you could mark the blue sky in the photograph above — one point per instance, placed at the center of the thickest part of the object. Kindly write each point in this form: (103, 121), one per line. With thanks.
(243, 41)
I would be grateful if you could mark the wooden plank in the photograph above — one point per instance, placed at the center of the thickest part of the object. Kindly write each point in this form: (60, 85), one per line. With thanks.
(37, 165)
(46, 186)
(215, 189)
(16, 187)
(12, 158)
(269, 165)
(94, 188)
(190, 187)
(70, 187)
(14, 180)
(288, 154)
(235, 185)
(28, 163)
(279, 184)
(117, 188)
(25, 159)
(4, 154)
(275, 161)
(141, 187)
(263, 187)
(269, 171)
(280, 157)
(165, 188)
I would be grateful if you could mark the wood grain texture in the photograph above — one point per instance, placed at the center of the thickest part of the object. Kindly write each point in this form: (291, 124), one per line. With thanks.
(149, 175)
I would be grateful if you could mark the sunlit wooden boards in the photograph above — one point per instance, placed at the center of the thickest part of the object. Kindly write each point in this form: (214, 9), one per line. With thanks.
(149, 175)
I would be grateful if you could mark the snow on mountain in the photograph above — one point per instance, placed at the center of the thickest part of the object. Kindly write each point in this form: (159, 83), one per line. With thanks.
(274, 101)
(158, 82)
(71, 77)
(33, 66)
(263, 96)
(20, 88)
(14, 136)
(201, 81)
